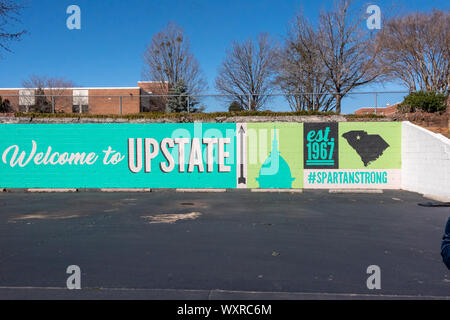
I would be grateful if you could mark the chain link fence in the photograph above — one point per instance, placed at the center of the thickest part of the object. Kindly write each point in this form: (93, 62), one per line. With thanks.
(27, 102)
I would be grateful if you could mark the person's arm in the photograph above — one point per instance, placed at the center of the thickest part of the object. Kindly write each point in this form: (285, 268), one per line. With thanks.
(445, 249)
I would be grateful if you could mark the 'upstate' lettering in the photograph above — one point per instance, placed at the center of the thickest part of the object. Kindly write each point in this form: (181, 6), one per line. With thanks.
(141, 152)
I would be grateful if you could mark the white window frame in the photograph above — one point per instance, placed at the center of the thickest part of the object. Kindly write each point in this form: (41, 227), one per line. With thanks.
(27, 97)
(80, 97)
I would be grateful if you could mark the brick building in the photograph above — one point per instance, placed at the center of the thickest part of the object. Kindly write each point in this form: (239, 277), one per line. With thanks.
(388, 111)
(147, 96)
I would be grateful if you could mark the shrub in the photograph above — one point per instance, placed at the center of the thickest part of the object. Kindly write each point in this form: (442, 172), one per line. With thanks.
(424, 101)
(235, 107)
(365, 116)
(5, 105)
(176, 116)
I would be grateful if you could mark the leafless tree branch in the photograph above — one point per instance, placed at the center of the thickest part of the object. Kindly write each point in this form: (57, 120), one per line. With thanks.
(247, 72)
(415, 49)
(168, 60)
(300, 69)
(346, 50)
(9, 13)
(48, 90)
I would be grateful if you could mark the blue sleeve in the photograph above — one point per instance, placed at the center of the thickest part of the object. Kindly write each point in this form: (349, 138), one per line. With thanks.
(445, 249)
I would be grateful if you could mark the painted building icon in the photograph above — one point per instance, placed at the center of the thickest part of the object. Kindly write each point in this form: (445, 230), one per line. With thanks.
(275, 172)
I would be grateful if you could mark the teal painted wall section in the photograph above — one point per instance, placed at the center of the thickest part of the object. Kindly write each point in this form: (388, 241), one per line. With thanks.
(97, 138)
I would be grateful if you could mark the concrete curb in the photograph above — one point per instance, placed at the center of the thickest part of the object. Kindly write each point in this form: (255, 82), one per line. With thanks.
(355, 191)
(437, 198)
(109, 190)
(59, 293)
(14, 190)
(202, 190)
(44, 190)
(278, 190)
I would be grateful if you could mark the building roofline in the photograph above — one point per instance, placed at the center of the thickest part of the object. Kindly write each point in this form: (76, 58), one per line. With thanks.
(109, 88)
(378, 108)
(74, 88)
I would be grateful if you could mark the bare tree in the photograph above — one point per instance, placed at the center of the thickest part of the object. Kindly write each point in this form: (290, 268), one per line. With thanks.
(49, 92)
(416, 50)
(346, 50)
(9, 12)
(247, 73)
(168, 59)
(300, 69)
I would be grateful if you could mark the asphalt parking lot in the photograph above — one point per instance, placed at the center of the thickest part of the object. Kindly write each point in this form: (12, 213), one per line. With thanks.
(238, 245)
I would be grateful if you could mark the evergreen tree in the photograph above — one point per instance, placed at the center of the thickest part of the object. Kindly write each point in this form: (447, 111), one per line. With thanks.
(179, 99)
(5, 105)
(41, 103)
(235, 106)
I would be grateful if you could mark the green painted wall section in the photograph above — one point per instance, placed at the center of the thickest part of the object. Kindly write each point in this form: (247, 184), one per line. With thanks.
(390, 132)
(259, 145)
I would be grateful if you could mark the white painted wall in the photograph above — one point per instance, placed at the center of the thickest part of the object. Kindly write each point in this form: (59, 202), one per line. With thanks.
(425, 161)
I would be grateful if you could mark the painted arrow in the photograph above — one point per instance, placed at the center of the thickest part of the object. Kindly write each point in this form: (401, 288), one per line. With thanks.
(242, 179)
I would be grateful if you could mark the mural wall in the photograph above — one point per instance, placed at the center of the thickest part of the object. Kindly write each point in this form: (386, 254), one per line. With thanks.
(201, 155)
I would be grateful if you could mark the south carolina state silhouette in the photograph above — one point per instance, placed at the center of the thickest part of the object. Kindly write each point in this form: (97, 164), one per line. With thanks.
(368, 146)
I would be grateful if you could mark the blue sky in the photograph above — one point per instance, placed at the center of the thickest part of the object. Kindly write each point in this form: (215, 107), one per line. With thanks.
(108, 49)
